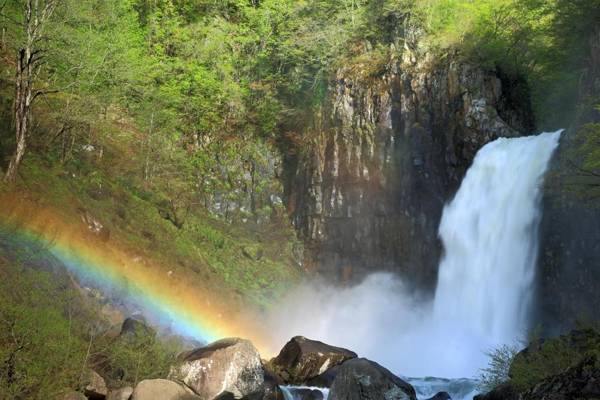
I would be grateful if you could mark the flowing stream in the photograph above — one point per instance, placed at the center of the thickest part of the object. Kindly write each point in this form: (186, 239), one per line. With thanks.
(485, 284)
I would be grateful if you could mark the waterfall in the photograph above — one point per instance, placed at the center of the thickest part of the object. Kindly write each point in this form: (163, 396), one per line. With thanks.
(485, 283)
(489, 233)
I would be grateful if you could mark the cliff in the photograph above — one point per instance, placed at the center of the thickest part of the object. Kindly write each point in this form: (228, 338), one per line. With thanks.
(569, 277)
(386, 152)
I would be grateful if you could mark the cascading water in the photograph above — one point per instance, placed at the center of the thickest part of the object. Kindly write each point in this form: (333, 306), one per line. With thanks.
(489, 232)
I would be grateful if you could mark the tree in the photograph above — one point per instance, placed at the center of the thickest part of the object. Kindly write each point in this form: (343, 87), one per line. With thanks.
(30, 58)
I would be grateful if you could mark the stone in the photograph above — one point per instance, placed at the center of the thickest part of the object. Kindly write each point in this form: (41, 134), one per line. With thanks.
(272, 390)
(95, 388)
(136, 325)
(228, 368)
(120, 394)
(360, 379)
(162, 389)
(302, 359)
(73, 395)
(441, 396)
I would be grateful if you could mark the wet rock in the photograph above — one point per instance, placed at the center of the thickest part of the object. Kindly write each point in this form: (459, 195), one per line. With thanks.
(360, 379)
(155, 389)
(120, 394)
(95, 388)
(302, 359)
(228, 368)
(503, 392)
(441, 396)
(324, 380)
(272, 390)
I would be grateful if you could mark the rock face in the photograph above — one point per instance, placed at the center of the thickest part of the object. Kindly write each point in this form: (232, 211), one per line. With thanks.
(154, 389)
(95, 389)
(228, 368)
(579, 382)
(361, 379)
(569, 235)
(302, 360)
(385, 153)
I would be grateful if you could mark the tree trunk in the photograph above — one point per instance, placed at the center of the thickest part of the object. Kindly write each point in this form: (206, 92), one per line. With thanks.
(28, 64)
(22, 107)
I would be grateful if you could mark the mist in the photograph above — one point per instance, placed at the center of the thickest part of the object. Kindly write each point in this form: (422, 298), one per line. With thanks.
(380, 319)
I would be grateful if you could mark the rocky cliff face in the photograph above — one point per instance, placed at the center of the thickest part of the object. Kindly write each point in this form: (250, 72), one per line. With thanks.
(569, 275)
(385, 154)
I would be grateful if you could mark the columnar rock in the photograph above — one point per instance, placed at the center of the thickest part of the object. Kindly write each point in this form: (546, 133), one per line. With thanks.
(383, 155)
(155, 389)
(362, 379)
(95, 388)
(228, 368)
(302, 359)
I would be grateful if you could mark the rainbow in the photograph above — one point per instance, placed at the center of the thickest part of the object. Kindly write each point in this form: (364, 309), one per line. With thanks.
(186, 308)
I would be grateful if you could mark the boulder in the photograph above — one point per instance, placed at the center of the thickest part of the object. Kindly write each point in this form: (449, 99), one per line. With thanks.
(73, 395)
(441, 396)
(120, 394)
(272, 390)
(136, 326)
(302, 359)
(95, 388)
(162, 389)
(360, 379)
(228, 368)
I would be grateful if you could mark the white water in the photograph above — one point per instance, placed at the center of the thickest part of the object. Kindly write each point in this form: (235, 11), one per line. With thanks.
(291, 392)
(489, 232)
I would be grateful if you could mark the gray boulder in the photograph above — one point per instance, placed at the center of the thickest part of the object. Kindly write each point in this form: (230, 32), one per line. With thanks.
(441, 396)
(302, 360)
(228, 368)
(162, 389)
(73, 395)
(95, 388)
(120, 394)
(362, 379)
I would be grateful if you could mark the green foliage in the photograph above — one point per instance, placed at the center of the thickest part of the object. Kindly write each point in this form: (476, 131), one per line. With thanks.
(40, 352)
(543, 40)
(545, 358)
(498, 367)
(132, 358)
